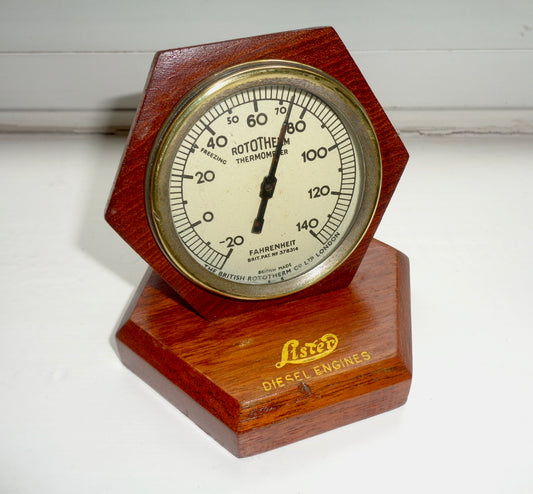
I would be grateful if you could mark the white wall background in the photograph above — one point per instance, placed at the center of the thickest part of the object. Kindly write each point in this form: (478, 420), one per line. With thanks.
(445, 66)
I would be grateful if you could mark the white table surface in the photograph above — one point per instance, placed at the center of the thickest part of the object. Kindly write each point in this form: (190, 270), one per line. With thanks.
(73, 419)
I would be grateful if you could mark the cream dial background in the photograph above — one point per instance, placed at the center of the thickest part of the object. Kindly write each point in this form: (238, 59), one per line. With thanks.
(217, 174)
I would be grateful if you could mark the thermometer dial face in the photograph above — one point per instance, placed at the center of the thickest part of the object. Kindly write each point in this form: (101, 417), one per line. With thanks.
(264, 180)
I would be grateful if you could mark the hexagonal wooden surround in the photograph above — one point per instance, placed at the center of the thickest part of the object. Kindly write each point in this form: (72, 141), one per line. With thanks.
(173, 74)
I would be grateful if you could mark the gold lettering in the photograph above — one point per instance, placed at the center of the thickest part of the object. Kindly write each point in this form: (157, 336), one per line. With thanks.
(289, 347)
(294, 353)
(293, 344)
(311, 347)
(317, 370)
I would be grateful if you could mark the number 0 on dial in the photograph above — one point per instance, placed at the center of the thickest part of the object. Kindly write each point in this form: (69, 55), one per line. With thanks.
(263, 180)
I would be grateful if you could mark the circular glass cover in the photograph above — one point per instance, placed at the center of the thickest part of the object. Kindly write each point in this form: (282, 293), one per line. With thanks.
(263, 180)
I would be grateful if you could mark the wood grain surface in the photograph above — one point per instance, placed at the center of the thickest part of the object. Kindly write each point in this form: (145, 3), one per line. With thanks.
(270, 377)
(176, 72)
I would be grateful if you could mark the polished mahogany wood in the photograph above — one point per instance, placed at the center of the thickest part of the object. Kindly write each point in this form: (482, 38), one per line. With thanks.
(173, 74)
(270, 377)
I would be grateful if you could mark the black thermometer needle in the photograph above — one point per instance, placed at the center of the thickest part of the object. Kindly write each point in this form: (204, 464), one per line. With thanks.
(268, 185)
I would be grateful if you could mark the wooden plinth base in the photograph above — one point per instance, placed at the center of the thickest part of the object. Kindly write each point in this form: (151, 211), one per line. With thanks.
(268, 378)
